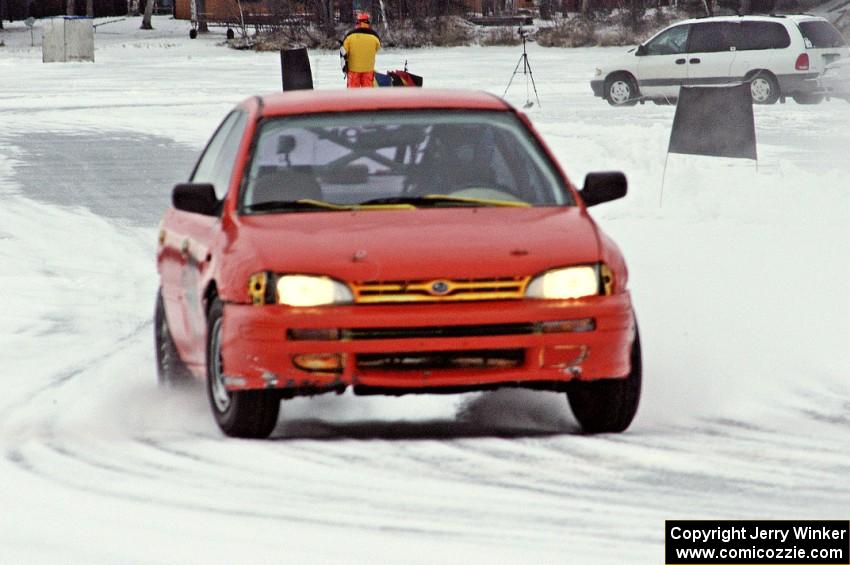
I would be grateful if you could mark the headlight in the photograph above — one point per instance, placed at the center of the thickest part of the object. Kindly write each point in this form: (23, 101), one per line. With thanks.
(559, 284)
(297, 290)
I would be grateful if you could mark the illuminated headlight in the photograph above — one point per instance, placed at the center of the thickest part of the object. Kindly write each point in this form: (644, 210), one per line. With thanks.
(572, 282)
(297, 290)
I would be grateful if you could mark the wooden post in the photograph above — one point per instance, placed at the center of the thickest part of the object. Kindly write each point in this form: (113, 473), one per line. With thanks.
(201, 12)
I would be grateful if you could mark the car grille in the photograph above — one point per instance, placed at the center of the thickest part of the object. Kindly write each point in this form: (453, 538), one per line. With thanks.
(439, 331)
(439, 290)
(441, 360)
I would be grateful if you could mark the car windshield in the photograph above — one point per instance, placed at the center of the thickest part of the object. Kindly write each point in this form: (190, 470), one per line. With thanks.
(344, 161)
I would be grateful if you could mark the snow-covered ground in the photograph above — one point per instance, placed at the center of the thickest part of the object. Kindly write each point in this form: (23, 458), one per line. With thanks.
(739, 274)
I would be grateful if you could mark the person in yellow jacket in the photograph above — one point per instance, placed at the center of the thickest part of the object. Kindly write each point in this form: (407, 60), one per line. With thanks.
(359, 49)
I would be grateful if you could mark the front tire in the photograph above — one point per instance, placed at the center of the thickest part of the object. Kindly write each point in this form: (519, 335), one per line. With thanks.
(245, 414)
(608, 405)
(764, 88)
(621, 90)
(170, 369)
(803, 98)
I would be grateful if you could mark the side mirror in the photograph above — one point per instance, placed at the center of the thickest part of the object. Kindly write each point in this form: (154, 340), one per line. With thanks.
(603, 187)
(198, 198)
(641, 50)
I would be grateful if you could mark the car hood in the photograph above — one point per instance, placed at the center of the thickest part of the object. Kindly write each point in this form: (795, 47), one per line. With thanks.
(621, 60)
(420, 244)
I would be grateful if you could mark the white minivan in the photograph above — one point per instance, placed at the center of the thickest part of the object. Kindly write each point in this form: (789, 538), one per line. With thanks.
(778, 55)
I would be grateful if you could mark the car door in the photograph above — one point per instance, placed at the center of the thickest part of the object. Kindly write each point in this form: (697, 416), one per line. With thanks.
(711, 52)
(190, 239)
(662, 64)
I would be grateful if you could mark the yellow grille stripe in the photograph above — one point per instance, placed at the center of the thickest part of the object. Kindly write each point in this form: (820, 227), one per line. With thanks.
(457, 290)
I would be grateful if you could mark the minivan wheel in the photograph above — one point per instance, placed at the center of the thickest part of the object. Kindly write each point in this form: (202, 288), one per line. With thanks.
(245, 414)
(807, 98)
(608, 405)
(764, 88)
(620, 90)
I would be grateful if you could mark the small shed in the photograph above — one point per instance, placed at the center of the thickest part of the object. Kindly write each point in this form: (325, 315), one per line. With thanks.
(68, 38)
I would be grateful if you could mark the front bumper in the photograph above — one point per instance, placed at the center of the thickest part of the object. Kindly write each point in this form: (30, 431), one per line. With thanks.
(598, 87)
(835, 88)
(399, 348)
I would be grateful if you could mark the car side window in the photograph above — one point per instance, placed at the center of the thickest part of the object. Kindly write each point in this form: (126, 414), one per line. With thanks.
(821, 34)
(669, 42)
(216, 164)
(712, 37)
(762, 35)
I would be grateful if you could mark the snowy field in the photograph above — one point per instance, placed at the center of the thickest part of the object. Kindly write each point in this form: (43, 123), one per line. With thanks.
(739, 276)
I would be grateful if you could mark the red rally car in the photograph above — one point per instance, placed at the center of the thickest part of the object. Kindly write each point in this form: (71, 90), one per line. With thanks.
(393, 241)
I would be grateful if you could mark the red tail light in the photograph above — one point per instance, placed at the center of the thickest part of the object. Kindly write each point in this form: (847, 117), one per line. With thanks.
(802, 63)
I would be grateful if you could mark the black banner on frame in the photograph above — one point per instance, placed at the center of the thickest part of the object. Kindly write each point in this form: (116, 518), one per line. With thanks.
(295, 69)
(715, 121)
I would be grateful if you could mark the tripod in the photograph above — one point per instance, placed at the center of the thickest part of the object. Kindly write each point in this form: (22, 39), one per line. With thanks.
(526, 70)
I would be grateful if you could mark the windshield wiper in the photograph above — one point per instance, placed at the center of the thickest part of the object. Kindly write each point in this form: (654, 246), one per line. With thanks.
(436, 200)
(303, 204)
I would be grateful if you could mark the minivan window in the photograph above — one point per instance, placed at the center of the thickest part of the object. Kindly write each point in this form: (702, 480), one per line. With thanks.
(822, 34)
(712, 37)
(669, 42)
(762, 35)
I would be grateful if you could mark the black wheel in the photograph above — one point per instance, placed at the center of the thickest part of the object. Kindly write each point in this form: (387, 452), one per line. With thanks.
(247, 414)
(170, 369)
(193, 33)
(608, 405)
(621, 90)
(806, 98)
(764, 88)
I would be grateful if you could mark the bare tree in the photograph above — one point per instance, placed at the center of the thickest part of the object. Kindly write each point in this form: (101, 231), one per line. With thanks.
(146, 19)
(323, 12)
(70, 11)
(346, 11)
(90, 8)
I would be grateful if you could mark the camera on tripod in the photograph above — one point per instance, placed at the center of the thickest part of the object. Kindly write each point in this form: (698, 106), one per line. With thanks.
(526, 71)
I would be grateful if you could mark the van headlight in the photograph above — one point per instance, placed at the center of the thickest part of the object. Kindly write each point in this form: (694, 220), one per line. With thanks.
(297, 290)
(570, 282)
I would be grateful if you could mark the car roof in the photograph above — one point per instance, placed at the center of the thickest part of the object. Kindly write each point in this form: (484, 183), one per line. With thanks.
(754, 17)
(366, 99)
